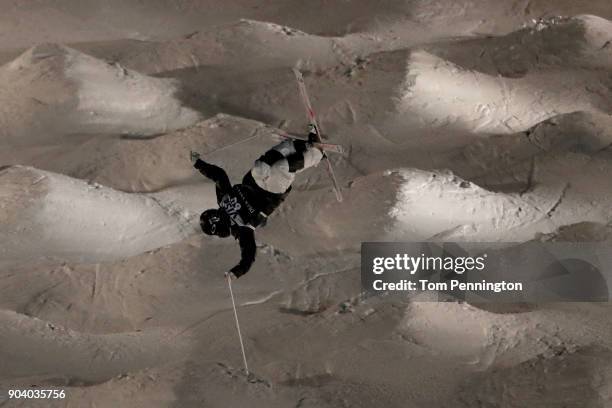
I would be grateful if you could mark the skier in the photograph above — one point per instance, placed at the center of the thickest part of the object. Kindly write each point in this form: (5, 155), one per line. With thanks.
(246, 206)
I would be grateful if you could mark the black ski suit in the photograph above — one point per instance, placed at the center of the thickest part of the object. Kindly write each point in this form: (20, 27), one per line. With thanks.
(248, 204)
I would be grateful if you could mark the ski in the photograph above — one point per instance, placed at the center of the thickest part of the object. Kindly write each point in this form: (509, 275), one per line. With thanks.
(312, 118)
(327, 147)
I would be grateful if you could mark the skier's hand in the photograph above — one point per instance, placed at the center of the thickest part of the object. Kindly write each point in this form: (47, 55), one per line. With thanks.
(230, 275)
(312, 129)
(313, 134)
(194, 156)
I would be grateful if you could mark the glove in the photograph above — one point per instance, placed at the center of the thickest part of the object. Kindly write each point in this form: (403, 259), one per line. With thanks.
(313, 134)
(230, 275)
(238, 271)
(194, 156)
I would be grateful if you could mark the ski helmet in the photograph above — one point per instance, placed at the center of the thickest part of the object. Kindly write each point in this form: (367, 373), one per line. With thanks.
(213, 222)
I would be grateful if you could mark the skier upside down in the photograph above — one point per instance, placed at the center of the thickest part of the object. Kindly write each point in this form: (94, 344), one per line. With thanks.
(246, 206)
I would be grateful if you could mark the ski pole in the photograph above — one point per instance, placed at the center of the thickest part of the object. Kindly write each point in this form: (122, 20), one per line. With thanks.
(255, 135)
(229, 283)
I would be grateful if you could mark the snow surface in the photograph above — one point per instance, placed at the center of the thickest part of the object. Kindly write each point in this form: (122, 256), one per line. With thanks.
(468, 120)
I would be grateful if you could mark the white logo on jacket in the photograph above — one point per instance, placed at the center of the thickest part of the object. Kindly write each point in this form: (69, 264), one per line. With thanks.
(232, 207)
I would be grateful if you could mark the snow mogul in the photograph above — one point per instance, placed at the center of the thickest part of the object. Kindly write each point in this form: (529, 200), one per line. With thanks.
(246, 206)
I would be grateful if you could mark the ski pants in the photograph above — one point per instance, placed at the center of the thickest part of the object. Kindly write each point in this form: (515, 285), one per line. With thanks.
(275, 171)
